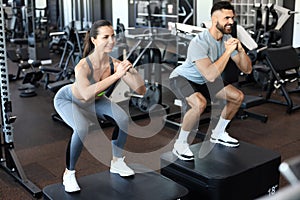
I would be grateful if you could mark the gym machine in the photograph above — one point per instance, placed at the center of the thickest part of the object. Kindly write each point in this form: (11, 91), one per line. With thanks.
(155, 13)
(269, 21)
(267, 35)
(9, 160)
(38, 45)
(163, 12)
(79, 12)
(15, 15)
(283, 63)
(186, 12)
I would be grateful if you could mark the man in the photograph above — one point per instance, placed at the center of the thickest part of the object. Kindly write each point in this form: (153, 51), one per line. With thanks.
(207, 57)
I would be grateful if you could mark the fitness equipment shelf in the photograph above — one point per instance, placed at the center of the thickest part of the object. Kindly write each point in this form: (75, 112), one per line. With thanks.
(9, 160)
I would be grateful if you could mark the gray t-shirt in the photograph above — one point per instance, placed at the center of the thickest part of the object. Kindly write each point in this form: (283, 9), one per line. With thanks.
(201, 46)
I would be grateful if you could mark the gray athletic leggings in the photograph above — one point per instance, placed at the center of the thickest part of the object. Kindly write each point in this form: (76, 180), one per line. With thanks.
(79, 116)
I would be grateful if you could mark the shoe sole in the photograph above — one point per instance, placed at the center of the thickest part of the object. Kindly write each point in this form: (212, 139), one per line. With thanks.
(216, 141)
(120, 173)
(180, 157)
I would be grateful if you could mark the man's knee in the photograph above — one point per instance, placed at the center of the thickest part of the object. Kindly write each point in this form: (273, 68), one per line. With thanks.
(239, 97)
(197, 102)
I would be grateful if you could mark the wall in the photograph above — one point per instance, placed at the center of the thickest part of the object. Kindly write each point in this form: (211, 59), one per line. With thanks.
(203, 11)
(120, 10)
(296, 32)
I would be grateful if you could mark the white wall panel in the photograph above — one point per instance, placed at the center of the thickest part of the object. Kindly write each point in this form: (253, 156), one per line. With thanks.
(120, 10)
(296, 34)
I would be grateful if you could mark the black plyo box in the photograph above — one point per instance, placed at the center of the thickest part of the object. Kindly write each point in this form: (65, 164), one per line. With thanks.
(145, 185)
(220, 172)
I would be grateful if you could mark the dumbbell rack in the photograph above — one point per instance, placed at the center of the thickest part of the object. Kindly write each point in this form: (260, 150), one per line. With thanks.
(8, 157)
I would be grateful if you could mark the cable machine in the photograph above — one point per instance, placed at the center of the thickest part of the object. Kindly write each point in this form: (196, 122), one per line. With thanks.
(9, 160)
(77, 12)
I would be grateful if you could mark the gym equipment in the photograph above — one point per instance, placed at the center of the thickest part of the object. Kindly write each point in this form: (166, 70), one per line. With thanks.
(70, 33)
(79, 12)
(290, 169)
(15, 20)
(38, 45)
(146, 184)
(32, 79)
(284, 15)
(146, 101)
(266, 29)
(57, 41)
(26, 67)
(284, 64)
(62, 71)
(9, 160)
(156, 14)
(255, 53)
(143, 102)
(218, 172)
(184, 16)
(261, 73)
(19, 55)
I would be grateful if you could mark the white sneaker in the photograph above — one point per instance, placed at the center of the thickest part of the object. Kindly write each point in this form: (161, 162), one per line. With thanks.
(69, 181)
(182, 151)
(223, 139)
(120, 167)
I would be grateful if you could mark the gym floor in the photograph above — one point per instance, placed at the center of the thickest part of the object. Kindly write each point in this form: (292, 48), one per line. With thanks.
(40, 142)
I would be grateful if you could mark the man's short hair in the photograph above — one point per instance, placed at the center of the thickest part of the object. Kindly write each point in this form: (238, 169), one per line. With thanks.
(222, 5)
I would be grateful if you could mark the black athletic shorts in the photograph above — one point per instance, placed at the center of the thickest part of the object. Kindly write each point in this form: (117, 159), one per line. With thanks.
(183, 88)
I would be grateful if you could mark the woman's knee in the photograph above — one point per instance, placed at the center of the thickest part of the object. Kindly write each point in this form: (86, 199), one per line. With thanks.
(81, 129)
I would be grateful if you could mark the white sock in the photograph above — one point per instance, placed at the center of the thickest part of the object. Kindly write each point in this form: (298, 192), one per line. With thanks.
(221, 126)
(183, 135)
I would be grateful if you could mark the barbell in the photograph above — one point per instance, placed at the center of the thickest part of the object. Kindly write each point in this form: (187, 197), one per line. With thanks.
(145, 102)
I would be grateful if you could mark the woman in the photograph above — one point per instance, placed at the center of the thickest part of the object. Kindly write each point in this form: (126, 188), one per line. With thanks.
(94, 75)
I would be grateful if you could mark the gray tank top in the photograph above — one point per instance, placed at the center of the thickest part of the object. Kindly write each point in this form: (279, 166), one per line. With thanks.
(109, 90)
(91, 77)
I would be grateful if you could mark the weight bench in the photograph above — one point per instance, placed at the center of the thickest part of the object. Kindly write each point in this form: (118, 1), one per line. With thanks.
(284, 64)
(32, 78)
(62, 70)
(248, 102)
(20, 56)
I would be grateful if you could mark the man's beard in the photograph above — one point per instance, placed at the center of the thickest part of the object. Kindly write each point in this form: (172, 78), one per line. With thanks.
(223, 30)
